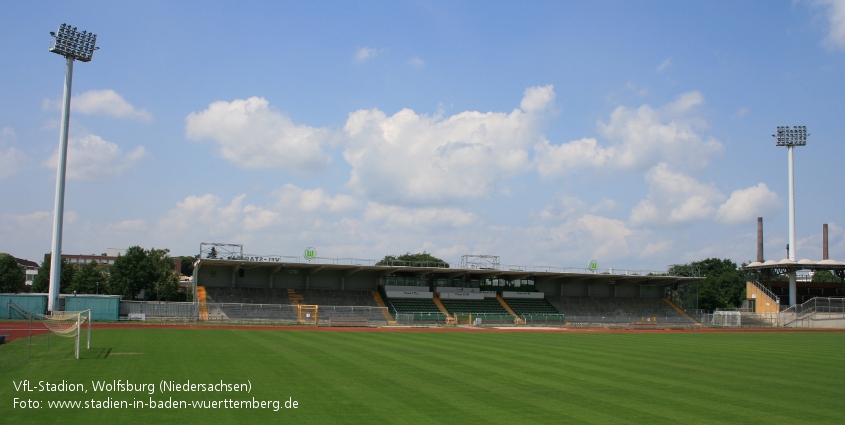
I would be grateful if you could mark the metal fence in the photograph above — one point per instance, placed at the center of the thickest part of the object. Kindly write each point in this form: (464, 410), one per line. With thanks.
(160, 311)
(816, 313)
(420, 318)
(819, 312)
(244, 312)
(627, 320)
(545, 319)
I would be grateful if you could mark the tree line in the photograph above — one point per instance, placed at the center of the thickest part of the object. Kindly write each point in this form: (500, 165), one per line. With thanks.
(140, 273)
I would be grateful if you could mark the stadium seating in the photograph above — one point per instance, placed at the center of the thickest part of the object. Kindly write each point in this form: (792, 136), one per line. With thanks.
(616, 310)
(420, 309)
(522, 306)
(282, 296)
(414, 305)
(338, 298)
(487, 305)
(246, 295)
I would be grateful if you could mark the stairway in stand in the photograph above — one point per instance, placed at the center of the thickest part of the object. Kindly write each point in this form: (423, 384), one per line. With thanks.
(450, 320)
(386, 311)
(295, 299)
(516, 319)
(201, 299)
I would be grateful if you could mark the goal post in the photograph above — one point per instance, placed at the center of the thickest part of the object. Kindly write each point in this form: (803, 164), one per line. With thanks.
(308, 314)
(728, 319)
(66, 324)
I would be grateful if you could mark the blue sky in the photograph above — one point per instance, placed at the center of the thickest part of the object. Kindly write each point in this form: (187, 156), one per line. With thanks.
(547, 133)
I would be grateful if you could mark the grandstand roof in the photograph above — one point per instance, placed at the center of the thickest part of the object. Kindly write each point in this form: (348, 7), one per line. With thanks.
(348, 267)
(787, 265)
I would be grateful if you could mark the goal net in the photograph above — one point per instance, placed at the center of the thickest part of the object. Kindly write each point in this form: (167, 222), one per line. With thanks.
(66, 324)
(728, 319)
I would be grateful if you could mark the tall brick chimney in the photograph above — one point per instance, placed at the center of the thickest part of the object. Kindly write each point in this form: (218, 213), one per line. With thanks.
(824, 242)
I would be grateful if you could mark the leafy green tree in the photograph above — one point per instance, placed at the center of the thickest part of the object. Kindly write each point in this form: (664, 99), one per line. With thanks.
(824, 276)
(150, 271)
(165, 282)
(423, 259)
(188, 264)
(128, 275)
(41, 283)
(12, 276)
(724, 286)
(212, 253)
(89, 279)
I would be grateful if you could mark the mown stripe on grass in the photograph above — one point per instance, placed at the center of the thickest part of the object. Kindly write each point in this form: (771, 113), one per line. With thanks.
(467, 378)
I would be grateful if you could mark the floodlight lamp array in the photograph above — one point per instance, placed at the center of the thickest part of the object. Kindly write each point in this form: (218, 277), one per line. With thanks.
(795, 136)
(69, 42)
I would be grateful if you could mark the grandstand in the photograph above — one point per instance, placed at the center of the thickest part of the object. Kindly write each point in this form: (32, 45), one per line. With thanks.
(806, 290)
(272, 289)
(500, 294)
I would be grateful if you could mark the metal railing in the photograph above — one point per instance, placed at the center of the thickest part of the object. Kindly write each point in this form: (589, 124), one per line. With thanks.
(766, 291)
(242, 312)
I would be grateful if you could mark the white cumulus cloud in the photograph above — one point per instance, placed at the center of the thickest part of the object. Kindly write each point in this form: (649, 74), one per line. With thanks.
(36, 226)
(678, 198)
(745, 205)
(835, 13)
(585, 237)
(108, 102)
(637, 140)
(391, 216)
(575, 155)
(314, 200)
(102, 102)
(12, 160)
(412, 159)
(89, 157)
(366, 53)
(251, 135)
(644, 136)
(203, 215)
(675, 198)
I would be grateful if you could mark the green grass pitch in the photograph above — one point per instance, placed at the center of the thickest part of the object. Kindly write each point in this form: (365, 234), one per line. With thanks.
(438, 377)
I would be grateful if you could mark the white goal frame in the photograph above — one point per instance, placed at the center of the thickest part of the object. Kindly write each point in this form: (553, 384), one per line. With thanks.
(66, 324)
(727, 319)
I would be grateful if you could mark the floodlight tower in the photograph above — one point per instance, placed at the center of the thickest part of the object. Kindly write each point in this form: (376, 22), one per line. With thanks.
(791, 137)
(73, 45)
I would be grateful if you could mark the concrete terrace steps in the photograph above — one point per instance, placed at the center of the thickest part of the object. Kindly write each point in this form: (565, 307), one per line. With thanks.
(386, 311)
(516, 319)
(450, 319)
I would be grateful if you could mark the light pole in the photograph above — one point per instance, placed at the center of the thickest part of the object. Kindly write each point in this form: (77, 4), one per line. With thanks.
(791, 137)
(73, 45)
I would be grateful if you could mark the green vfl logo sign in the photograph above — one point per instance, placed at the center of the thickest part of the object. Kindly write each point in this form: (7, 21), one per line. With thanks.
(594, 265)
(310, 253)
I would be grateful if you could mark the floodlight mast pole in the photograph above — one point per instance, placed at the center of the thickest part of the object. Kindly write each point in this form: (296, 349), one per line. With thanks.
(73, 46)
(792, 137)
(59, 205)
(793, 286)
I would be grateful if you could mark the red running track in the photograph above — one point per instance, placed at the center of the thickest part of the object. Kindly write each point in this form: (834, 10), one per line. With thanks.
(17, 330)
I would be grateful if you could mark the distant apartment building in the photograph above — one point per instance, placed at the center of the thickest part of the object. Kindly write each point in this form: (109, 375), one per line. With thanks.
(107, 260)
(30, 268)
